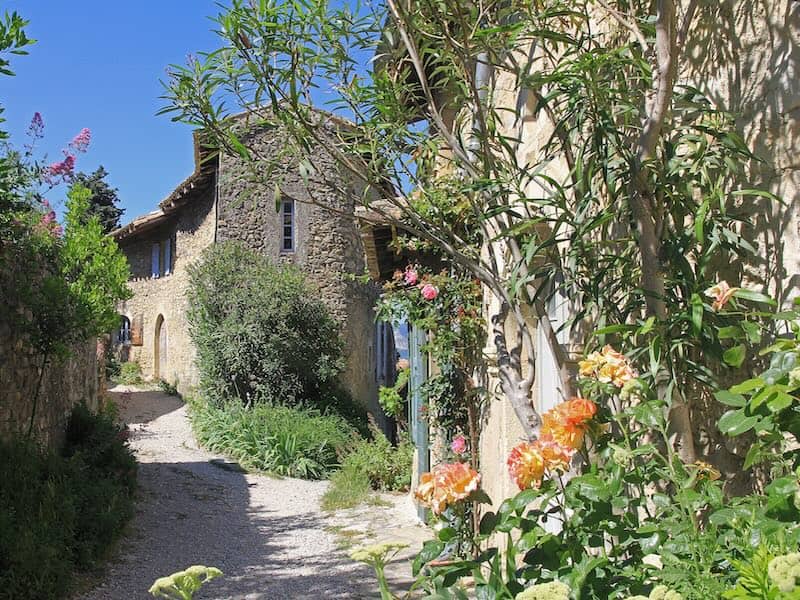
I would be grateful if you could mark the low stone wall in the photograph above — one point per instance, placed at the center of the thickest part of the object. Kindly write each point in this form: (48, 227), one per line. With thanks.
(65, 383)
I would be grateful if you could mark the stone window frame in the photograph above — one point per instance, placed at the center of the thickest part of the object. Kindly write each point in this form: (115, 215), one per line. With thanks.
(288, 226)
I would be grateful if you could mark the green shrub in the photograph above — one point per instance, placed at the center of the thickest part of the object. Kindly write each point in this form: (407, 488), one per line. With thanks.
(370, 465)
(280, 440)
(130, 373)
(386, 466)
(261, 332)
(62, 511)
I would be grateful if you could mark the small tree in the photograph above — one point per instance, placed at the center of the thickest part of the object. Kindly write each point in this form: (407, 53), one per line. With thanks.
(103, 199)
(262, 334)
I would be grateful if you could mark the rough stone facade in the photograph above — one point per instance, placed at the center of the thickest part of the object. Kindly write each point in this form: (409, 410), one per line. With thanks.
(65, 383)
(158, 308)
(327, 244)
(234, 204)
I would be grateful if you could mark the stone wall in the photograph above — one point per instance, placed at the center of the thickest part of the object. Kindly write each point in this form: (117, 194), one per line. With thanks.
(65, 383)
(328, 246)
(161, 302)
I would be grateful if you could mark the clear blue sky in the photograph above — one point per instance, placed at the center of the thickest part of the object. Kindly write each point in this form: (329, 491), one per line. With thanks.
(97, 64)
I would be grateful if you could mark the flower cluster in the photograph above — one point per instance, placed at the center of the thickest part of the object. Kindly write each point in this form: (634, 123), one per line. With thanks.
(660, 592)
(377, 552)
(784, 571)
(411, 278)
(607, 366)
(553, 590)
(446, 485)
(721, 293)
(184, 584)
(64, 170)
(563, 430)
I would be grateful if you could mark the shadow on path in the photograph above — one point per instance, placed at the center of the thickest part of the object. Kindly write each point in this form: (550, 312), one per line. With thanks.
(266, 535)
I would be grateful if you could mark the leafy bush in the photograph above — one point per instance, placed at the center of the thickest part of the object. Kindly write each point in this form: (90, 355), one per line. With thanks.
(62, 511)
(130, 373)
(370, 465)
(261, 333)
(276, 439)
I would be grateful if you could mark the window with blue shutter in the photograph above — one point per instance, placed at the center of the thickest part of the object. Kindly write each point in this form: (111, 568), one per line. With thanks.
(155, 260)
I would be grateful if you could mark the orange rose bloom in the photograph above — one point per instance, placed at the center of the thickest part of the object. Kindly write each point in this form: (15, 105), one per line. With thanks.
(526, 465)
(448, 484)
(608, 366)
(566, 423)
(529, 461)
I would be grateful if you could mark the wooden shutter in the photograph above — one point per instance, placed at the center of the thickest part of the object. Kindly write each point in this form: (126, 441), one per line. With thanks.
(137, 331)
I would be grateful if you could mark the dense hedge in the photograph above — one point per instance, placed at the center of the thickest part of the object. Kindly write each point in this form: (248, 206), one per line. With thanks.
(261, 332)
(61, 511)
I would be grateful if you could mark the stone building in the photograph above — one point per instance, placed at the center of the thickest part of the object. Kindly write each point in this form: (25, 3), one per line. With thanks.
(224, 200)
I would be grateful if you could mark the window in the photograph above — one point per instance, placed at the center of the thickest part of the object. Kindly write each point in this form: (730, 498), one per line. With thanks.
(124, 333)
(155, 260)
(161, 257)
(287, 224)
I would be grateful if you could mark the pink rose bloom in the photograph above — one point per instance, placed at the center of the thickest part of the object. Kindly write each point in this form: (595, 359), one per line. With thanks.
(411, 277)
(429, 292)
(459, 444)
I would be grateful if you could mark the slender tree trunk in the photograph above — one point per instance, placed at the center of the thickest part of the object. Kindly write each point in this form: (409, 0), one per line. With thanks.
(36, 393)
(647, 214)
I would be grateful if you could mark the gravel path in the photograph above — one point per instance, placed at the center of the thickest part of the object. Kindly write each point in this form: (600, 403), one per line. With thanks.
(266, 535)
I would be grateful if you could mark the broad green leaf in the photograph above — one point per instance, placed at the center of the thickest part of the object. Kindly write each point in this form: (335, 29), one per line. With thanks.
(730, 399)
(735, 356)
(735, 422)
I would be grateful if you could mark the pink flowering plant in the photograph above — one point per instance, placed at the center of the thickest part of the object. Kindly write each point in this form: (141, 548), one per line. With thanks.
(59, 282)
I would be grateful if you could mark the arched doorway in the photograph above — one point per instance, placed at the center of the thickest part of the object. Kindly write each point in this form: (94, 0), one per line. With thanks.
(160, 355)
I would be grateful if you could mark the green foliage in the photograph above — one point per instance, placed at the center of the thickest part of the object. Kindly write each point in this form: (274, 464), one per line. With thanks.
(95, 269)
(62, 512)
(130, 373)
(348, 488)
(391, 398)
(275, 439)
(184, 584)
(103, 199)
(767, 406)
(369, 465)
(262, 334)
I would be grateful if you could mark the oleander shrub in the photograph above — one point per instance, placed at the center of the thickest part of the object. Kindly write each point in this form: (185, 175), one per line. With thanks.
(262, 334)
(281, 440)
(62, 511)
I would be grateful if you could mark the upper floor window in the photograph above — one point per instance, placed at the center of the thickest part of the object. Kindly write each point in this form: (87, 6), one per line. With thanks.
(287, 226)
(161, 257)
